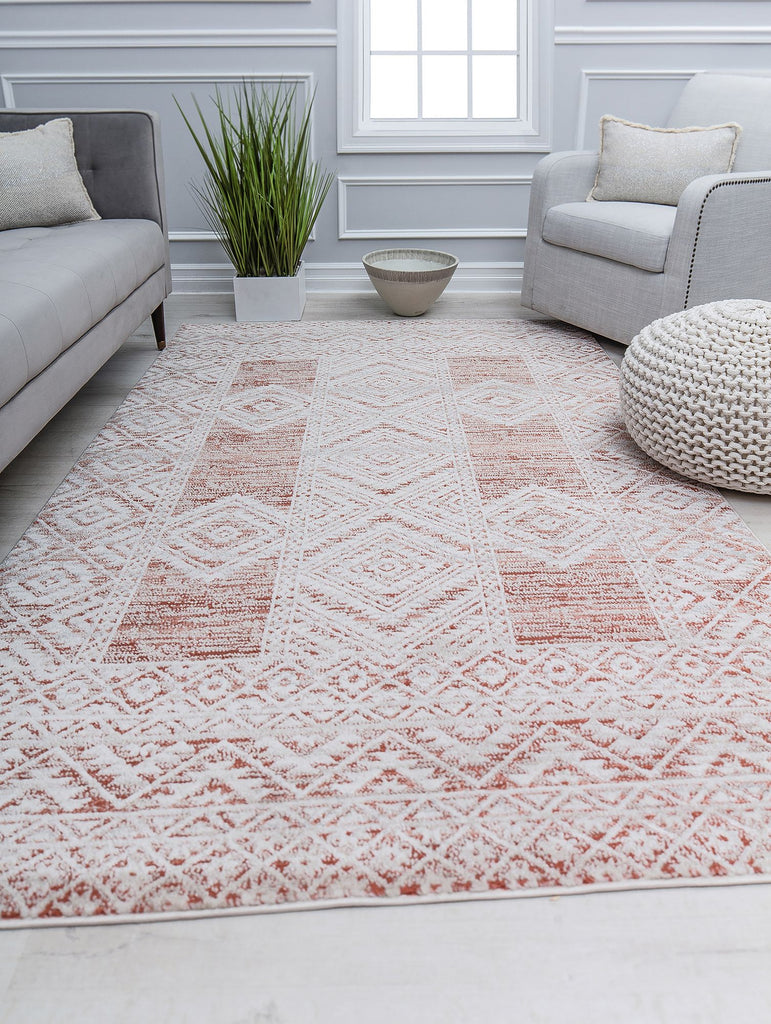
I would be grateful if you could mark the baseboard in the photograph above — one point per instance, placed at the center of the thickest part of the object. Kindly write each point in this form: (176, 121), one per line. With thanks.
(194, 278)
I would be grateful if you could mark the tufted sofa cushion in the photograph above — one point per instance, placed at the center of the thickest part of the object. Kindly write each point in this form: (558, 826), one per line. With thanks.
(57, 283)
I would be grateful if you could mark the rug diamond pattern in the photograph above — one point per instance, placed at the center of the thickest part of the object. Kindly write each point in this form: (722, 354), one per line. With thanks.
(223, 535)
(363, 612)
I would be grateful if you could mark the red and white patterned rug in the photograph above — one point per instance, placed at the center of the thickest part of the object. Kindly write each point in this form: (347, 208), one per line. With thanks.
(332, 613)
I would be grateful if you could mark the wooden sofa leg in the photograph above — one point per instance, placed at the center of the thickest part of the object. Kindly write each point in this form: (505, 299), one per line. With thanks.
(159, 326)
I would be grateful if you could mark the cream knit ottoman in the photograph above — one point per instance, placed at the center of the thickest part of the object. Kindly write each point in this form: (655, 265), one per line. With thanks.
(696, 393)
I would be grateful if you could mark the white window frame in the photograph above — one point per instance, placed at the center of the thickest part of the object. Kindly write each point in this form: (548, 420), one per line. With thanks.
(531, 131)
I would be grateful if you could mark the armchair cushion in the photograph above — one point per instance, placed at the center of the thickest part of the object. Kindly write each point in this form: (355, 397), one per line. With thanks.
(633, 233)
(639, 164)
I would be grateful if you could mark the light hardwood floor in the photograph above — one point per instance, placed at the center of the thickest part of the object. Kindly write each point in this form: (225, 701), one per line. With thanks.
(675, 956)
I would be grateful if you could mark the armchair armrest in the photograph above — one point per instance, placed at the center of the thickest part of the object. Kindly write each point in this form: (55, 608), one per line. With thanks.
(719, 245)
(560, 178)
(565, 177)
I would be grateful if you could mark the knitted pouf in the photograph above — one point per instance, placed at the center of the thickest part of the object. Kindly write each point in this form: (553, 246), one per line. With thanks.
(696, 393)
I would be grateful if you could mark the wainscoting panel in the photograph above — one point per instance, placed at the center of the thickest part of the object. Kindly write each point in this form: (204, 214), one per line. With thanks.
(650, 94)
(154, 91)
(422, 207)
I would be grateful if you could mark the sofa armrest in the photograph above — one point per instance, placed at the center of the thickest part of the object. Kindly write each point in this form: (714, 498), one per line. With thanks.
(119, 157)
(719, 245)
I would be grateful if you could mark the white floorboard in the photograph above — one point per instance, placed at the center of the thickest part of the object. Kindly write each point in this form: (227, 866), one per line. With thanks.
(676, 956)
(685, 956)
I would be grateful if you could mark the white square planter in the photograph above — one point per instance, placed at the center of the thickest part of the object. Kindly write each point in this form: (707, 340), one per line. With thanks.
(262, 299)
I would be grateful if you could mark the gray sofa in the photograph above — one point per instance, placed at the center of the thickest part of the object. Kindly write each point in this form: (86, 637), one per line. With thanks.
(70, 295)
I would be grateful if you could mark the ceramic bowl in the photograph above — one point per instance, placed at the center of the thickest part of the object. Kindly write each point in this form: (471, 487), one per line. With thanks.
(409, 280)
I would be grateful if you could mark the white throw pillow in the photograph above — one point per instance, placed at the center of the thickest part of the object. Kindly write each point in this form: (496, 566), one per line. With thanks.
(40, 184)
(640, 164)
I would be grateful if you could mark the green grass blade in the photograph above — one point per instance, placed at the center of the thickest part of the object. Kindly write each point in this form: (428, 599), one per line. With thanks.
(262, 192)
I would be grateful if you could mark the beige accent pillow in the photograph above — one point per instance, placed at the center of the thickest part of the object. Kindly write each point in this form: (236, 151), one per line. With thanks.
(640, 164)
(40, 184)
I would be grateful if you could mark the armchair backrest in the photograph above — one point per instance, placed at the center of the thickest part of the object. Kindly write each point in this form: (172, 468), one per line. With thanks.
(711, 98)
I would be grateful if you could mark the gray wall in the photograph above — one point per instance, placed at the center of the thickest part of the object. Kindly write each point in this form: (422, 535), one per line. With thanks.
(628, 57)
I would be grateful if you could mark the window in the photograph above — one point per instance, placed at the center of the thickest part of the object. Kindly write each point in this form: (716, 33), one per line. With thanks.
(422, 75)
(442, 59)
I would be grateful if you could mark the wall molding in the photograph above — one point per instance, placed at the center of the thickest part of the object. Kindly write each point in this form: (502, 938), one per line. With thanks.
(192, 236)
(564, 35)
(217, 278)
(137, 1)
(634, 35)
(167, 39)
(306, 80)
(589, 75)
(346, 182)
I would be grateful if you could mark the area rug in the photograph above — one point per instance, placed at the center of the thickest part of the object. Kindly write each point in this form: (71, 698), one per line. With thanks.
(350, 612)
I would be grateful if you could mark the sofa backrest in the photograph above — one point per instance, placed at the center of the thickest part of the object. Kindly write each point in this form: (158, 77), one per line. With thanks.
(118, 154)
(711, 98)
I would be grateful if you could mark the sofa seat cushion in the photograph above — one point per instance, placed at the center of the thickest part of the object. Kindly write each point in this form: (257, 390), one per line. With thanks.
(633, 233)
(56, 283)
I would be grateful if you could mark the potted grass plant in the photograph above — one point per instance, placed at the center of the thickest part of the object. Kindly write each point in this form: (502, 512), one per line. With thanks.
(261, 195)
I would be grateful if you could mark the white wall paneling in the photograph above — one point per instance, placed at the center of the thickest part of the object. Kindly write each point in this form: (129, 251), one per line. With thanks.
(128, 81)
(173, 38)
(645, 95)
(440, 207)
(469, 277)
(658, 35)
(206, 278)
(630, 59)
(3, 2)
(154, 91)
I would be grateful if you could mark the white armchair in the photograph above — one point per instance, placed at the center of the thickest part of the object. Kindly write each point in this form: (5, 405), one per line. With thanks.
(613, 267)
